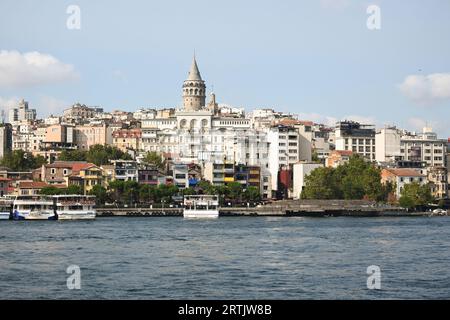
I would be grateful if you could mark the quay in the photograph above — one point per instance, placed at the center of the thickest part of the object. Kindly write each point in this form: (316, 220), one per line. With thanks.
(284, 208)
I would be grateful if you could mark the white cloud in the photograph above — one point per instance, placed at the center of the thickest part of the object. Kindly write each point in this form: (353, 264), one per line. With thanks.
(417, 124)
(33, 68)
(318, 118)
(5, 105)
(51, 105)
(427, 89)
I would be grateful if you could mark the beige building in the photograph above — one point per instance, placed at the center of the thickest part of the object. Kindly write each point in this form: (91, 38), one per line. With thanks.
(338, 157)
(86, 136)
(402, 177)
(127, 139)
(438, 178)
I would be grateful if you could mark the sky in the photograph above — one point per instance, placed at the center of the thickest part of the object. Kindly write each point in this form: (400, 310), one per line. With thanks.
(317, 59)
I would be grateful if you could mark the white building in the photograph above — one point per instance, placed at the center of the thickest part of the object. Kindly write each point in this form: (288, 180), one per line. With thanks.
(283, 150)
(424, 147)
(22, 113)
(300, 171)
(387, 141)
(356, 137)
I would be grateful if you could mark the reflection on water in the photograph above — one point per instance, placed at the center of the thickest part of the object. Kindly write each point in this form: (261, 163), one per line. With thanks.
(234, 258)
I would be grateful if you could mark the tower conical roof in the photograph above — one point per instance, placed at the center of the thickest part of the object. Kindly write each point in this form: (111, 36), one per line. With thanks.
(194, 74)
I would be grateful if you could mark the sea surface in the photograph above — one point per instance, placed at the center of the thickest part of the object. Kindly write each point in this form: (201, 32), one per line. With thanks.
(228, 258)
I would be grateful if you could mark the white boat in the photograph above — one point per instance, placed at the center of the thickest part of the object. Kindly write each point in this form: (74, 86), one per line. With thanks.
(33, 207)
(439, 212)
(75, 207)
(5, 208)
(202, 206)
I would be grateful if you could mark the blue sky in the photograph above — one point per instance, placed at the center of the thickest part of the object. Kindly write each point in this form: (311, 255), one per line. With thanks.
(316, 59)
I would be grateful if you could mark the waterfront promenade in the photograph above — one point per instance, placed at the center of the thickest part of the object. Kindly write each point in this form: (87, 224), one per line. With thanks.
(305, 208)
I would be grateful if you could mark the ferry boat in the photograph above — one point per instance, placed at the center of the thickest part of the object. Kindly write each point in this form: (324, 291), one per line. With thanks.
(202, 206)
(75, 207)
(5, 208)
(34, 207)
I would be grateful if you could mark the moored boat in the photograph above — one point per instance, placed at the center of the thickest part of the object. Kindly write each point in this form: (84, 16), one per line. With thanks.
(5, 208)
(201, 206)
(75, 207)
(33, 207)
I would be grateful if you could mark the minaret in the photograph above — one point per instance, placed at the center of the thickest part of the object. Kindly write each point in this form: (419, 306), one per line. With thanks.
(194, 89)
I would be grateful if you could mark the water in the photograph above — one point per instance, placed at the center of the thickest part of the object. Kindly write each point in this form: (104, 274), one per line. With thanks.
(230, 258)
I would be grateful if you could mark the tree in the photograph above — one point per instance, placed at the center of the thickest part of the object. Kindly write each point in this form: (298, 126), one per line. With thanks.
(154, 159)
(147, 193)
(356, 179)
(166, 192)
(235, 190)
(116, 188)
(19, 160)
(74, 189)
(51, 190)
(188, 192)
(414, 195)
(100, 154)
(320, 184)
(252, 194)
(205, 187)
(130, 192)
(100, 193)
(73, 155)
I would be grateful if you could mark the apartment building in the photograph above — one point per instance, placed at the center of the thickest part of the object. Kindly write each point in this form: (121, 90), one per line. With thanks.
(356, 137)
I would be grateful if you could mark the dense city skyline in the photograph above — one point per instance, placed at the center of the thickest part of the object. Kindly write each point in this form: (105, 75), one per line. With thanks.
(324, 69)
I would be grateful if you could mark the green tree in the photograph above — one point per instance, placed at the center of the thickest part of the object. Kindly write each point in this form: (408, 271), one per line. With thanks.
(188, 192)
(51, 190)
(19, 160)
(235, 190)
(252, 194)
(154, 159)
(205, 187)
(165, 192)
(320, 184)
(73, 155)
(100, 154)
(100, 193)
(74, 189)
(414, 195)
(356, 179)
(147, 193)
(116, 189)
(130, 192)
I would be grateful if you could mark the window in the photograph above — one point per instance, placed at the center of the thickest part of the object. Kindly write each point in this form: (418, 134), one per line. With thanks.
(52, 170)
